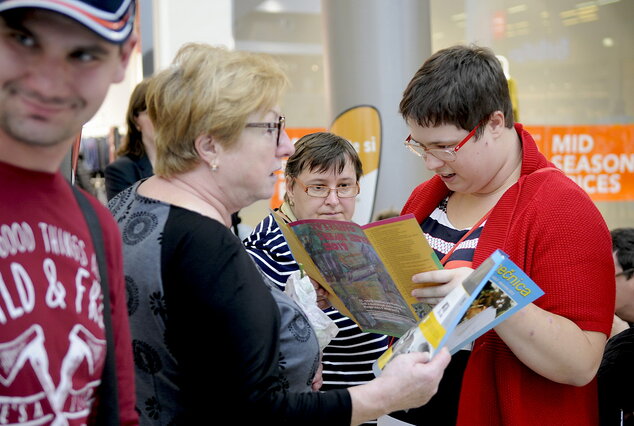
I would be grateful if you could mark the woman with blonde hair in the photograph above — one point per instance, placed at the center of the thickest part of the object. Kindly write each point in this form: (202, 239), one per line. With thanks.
(205, 326)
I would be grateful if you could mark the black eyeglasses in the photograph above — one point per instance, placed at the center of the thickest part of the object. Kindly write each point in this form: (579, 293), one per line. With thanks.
(272, 126)
(627, 273)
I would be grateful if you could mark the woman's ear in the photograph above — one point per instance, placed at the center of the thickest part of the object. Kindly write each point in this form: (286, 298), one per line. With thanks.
(289, 190)
(207, 148)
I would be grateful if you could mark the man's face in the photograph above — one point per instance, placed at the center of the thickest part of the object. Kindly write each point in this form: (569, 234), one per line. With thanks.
(54, 76)
(624, 293)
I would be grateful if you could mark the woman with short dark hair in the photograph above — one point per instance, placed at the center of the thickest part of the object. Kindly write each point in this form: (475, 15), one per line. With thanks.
(322, 182)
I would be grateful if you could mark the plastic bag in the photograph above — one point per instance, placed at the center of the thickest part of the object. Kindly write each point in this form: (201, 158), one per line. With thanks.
(301, 290)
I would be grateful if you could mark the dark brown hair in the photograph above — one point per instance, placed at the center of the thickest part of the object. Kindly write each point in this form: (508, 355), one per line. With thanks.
(623, 245)
(321, 152)
(460, 85)
(133, 142)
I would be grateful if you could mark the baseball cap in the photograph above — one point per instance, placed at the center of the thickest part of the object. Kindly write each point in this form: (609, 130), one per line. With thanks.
(111, 19)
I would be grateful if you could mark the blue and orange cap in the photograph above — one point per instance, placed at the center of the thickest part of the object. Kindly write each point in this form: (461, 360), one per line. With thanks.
(111, 19)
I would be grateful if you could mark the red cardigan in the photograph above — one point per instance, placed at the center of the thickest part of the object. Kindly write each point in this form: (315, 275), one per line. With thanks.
(551, 229)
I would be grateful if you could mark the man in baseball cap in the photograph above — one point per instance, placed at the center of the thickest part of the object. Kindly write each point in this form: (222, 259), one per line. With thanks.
(111, 19)
(58, 59)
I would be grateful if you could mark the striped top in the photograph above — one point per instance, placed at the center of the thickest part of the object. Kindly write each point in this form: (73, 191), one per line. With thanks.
(442, 236)
(348, 358)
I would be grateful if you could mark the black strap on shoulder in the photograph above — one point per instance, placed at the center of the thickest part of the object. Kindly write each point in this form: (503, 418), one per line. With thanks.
(108, 401)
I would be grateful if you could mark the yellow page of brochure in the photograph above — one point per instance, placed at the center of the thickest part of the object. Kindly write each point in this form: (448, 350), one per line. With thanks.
(402, 246)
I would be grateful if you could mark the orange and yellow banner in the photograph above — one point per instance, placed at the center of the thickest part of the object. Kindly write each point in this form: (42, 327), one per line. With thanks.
(361, 125)
(600, 158)
(294, 133)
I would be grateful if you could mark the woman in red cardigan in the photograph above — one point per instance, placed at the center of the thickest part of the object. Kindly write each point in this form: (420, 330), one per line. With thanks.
(493, 185)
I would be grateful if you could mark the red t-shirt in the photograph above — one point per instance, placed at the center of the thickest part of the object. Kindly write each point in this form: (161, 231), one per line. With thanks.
(52, 340)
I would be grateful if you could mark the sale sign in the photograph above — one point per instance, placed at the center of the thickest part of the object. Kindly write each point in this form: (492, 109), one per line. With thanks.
(599, 158)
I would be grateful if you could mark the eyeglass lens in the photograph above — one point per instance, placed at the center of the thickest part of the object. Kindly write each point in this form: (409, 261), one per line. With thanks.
(324, 191)
(441, 154)
(448, 154)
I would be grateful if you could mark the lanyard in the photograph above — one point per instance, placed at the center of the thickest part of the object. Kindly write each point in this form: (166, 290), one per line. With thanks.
(464, 237)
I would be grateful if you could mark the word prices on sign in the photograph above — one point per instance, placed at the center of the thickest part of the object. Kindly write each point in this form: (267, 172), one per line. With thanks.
(600, 159)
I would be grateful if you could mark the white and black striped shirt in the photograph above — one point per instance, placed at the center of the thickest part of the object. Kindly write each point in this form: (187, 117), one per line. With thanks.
(348, 358)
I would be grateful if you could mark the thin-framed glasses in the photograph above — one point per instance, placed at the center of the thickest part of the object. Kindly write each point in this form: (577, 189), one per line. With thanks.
(627, 273)
(278, 127)
(322, 191)
(443, 154)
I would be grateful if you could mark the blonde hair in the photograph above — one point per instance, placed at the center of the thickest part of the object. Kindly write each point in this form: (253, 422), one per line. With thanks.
(208, 91)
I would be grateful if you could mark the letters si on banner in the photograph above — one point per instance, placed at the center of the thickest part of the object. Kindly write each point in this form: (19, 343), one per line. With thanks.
(599, 158)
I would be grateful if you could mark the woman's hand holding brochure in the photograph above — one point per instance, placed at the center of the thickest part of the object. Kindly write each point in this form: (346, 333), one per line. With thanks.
(467, 303)
(447, 280)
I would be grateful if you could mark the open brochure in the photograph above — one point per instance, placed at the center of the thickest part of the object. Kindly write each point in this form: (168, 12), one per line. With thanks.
(366, 269)
(494, 291)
